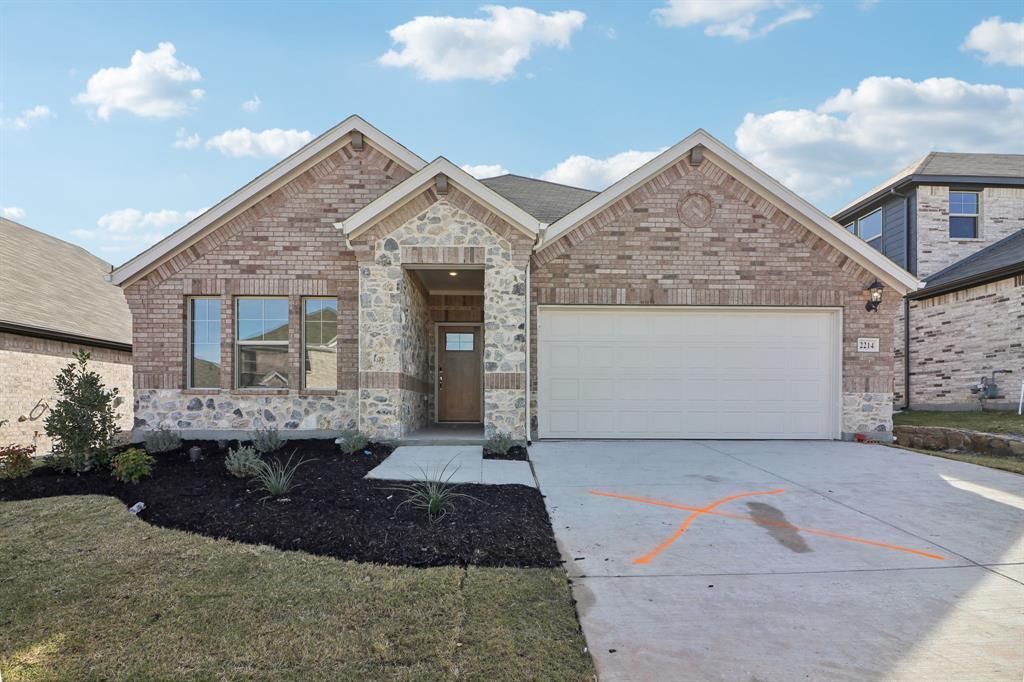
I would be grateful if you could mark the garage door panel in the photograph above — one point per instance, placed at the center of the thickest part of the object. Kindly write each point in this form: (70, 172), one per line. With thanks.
(678, 373)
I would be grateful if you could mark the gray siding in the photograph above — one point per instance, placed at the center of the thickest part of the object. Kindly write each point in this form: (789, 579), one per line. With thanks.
(894, 230)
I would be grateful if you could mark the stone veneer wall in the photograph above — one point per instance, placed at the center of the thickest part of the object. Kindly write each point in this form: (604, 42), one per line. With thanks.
(699, 236)
(28, 366)
(957, 338)
(415, 355)
(1002, 214)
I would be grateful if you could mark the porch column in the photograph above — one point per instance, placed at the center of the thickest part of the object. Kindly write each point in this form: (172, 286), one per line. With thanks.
(380, 344)
(504, 344)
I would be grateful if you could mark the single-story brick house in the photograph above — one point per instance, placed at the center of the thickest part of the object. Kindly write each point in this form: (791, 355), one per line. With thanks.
(55, 300)
(356, 285)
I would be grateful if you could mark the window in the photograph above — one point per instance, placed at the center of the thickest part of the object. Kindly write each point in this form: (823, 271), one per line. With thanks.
(963, 215)
(203, 342)
(851, 227)
(454, 341)
(320, 343)
(869, 228)
(261, 348)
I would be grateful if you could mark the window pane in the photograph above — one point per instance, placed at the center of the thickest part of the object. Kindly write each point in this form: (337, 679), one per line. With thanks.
(250, 309)
(262, 319)
(263, 367)
(870, 226)
(275, 330)
(204, 343)
(963, 202)
(963, 227)
(852, 228)
(320, 322)
(456, 341)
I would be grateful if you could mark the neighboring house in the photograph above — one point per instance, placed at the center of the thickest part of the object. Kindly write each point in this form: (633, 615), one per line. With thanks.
(954, 221)
(695, 298)
(55, 300)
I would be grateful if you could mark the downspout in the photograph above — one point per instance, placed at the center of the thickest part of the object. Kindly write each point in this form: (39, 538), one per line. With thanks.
(528, 343)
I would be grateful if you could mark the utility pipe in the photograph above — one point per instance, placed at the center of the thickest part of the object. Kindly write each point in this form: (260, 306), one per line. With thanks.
(528, 415)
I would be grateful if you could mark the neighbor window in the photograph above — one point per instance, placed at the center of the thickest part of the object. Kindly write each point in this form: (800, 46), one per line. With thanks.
(261, 335)
(203, 342)
(320, 343)
(963, 215)
(869, 228)
(458, 341)
(851, 227)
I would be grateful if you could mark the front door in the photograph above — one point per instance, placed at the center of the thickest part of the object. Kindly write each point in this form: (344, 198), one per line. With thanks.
(458, 374)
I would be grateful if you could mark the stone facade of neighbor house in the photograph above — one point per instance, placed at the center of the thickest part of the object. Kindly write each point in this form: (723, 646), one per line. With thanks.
(747, 252)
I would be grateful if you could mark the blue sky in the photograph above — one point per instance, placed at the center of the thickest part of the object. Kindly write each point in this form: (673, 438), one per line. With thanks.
(830, 97)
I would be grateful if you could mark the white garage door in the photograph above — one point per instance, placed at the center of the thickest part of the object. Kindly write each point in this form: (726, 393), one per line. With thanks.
(616, 372)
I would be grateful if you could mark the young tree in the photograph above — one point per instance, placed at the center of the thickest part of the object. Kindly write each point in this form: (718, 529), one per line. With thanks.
(83, 423)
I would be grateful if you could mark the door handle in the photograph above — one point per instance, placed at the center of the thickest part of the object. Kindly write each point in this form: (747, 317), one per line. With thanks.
(440, 378)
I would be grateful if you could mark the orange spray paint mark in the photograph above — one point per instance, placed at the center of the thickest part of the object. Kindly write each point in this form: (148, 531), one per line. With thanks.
(763, 521)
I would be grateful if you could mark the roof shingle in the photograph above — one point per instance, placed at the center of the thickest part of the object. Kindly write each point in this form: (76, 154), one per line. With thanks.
(545, 201)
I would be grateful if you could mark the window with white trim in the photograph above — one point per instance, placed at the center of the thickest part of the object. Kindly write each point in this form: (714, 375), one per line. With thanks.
(261, 342)
(320, 343)
(963, 215)
(203, 342)
(869, 228)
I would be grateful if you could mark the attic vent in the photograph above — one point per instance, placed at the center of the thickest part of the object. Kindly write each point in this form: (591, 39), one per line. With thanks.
(441, 184)
(357, 140)
(696, 155)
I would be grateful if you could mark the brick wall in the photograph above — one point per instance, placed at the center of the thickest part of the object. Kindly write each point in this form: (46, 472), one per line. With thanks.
(28, 366)
(958, 337)
(748, 252)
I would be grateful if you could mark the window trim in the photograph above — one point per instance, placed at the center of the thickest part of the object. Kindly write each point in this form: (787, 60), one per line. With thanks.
(188, 342)
(302, 342)
(238, 344)
(976, 215)
(881, 226)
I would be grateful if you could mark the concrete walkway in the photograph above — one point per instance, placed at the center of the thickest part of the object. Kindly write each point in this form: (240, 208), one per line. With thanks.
(841, 560)
(463, 463)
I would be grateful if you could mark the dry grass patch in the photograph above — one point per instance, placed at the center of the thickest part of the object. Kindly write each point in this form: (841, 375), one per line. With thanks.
(988, 422)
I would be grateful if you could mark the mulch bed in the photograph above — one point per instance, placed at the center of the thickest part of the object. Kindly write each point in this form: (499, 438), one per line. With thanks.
(333, 510)
(516, 453)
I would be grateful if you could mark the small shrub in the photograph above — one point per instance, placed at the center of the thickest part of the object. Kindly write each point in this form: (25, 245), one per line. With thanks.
(82, 423)
(276, 478)
(162, 439)
(352, 440)
(267, 440)
(132, 465)
(244, 462)
(16, 461)
(435, 494)
(500, 443)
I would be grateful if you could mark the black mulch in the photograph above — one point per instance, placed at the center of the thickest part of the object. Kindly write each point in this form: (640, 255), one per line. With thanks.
(515, 453)
(333, 510)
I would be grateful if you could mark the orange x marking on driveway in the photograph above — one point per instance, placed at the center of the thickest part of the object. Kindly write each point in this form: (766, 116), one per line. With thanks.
(711, 509)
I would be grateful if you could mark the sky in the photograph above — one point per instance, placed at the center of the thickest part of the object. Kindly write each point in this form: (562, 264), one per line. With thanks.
(121, 122)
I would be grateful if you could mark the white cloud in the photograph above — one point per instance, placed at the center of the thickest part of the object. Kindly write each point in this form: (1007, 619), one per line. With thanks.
(274, 143)
(449, 48)
(252, 105)
(182, 140)
(155, 85)
(998, 41)
(13, 212)
(879, 127)
(39, 112)
(597, 174)
(485, 170)
(130, 230)
(740, 19)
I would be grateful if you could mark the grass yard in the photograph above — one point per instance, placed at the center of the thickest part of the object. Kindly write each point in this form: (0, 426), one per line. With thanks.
(90, 591)
(991, 422)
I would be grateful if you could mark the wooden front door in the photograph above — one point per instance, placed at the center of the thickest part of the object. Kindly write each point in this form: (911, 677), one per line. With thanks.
(459, 363)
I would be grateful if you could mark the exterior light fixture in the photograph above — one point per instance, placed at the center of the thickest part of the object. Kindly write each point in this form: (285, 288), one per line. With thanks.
(875, 296)
(453, 274)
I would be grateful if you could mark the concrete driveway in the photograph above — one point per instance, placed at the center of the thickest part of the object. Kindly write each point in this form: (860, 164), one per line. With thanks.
(841, 561)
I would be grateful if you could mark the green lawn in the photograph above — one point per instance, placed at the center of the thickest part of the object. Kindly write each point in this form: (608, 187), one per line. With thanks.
(991, 422)
(90, 592)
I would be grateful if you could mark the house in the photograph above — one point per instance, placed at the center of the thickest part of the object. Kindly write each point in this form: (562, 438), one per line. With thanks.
(54, 301)
(953, 220)
(695, 298)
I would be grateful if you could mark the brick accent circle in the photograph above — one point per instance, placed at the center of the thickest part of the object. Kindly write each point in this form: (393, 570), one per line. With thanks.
(695, 209)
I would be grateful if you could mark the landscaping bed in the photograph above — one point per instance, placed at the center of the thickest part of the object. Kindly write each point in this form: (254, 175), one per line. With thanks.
(516, 453)
(332, 510)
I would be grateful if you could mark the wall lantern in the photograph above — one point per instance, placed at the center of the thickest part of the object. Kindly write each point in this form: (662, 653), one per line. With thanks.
(875, 298)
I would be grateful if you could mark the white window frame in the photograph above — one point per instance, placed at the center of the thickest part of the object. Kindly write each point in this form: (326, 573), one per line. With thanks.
(976, 215)
(239, 343)
(188, 339)
(302, 380)
(881, 231)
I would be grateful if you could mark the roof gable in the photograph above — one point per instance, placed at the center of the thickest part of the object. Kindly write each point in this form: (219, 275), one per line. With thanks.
(262, 186)
(758, 182)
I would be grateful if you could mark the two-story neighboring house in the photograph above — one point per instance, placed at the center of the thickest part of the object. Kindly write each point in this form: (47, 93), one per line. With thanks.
(957, 222)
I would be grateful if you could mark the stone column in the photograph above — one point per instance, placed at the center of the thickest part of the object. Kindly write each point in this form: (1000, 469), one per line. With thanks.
(504, 344)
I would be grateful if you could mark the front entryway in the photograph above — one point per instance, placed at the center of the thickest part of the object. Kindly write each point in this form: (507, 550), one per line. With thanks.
(459, 366)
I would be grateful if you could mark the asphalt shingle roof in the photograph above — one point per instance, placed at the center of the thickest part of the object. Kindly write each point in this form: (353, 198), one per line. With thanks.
(51, 285)
(545, 201)
(1006, 252)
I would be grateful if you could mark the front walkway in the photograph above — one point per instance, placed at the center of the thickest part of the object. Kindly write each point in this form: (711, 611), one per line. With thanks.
(457, 463)
(783, 560)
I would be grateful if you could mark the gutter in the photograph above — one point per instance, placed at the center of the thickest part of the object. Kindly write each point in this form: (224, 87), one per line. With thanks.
(66, 337)
(967, 282)
(987, 181)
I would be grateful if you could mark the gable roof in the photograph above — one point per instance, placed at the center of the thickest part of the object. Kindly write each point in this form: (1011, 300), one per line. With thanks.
(951, 165)
(760, 182)
(368, 215)
(996, 261)
(545, 201)
(54, 289)
(262, 185)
